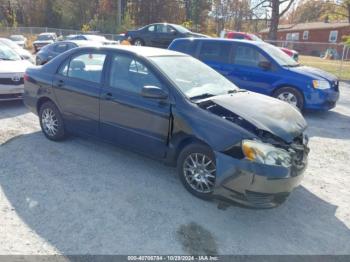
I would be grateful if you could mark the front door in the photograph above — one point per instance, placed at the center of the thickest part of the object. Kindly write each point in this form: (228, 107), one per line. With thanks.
(246, 73)
(77, 87)
(127, 118)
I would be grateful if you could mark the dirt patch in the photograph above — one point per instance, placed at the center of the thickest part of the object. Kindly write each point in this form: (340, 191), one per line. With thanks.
(195, 239)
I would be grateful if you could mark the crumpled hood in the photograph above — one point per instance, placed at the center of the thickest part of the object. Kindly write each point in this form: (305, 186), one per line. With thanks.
(8, 67)
(314, 73)
(265, 113)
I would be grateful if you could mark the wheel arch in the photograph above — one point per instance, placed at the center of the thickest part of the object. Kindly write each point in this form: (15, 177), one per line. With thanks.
(41, 101)
(179, 145)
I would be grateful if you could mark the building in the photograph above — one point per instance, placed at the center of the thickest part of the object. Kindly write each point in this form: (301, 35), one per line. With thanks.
(313, 38)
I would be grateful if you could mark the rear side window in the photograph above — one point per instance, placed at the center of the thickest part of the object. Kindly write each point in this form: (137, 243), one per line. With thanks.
(86, 67)
(60, 48)
(248, 56)
(187, 47)
(215, 51)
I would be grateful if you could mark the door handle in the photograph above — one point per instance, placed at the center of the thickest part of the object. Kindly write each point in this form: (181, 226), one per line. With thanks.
(60, 83)
(107, 96)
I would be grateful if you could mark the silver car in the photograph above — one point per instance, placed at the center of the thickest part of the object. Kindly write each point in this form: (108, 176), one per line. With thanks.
(12, 68)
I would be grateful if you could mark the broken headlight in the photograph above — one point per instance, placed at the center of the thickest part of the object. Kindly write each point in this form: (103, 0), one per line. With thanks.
(265, 153)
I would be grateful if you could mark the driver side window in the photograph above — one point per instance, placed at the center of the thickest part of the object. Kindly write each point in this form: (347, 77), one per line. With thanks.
(130, 74)
(248, 56)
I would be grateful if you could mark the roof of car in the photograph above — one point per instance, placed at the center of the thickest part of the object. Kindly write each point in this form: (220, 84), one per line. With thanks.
(221, 40)
(143, 51)
(81, 43)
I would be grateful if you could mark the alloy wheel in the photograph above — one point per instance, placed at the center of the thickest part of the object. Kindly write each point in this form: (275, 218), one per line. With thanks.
(200, 172)
(49, 122)
(289, 98)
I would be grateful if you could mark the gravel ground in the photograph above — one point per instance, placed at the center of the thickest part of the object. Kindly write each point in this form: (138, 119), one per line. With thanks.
(85, 197)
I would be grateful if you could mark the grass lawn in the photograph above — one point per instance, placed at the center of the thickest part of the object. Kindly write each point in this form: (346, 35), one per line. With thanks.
(331, 66)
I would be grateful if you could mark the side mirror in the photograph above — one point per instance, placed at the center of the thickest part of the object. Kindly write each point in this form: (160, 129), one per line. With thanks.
(153, 92)
(265, 65)
(174, 32)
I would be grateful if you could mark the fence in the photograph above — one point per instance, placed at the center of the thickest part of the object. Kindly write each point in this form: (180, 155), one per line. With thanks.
(331, 57)
(39, 30)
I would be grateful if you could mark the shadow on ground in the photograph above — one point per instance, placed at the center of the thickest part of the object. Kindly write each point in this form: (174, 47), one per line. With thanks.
(86, 197)
(12, 109)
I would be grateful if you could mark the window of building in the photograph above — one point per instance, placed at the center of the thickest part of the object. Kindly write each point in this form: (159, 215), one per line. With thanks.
(306, 35)
(333, 36)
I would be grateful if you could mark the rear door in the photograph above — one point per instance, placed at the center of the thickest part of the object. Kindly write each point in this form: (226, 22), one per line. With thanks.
(165, 35)
(126, 117)
(77, 87)
(218, 55)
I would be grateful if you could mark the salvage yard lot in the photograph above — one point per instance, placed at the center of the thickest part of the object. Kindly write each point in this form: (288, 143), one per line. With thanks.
(82, 196)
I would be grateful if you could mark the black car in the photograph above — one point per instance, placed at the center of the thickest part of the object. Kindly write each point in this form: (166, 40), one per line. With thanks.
(50, 51)
(159, 35)
(227, 143)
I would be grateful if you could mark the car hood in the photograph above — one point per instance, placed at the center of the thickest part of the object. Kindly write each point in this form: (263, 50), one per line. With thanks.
(8, 67)
(314, 73)
(265, 113)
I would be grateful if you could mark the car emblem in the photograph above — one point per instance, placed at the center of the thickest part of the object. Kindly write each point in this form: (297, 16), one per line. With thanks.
(16, 78)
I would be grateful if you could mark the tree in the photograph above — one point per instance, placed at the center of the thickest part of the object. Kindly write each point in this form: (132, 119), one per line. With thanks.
(277, 8)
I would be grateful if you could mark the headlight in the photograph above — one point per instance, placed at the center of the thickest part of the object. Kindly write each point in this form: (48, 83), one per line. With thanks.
(321, 84)
(265, 153)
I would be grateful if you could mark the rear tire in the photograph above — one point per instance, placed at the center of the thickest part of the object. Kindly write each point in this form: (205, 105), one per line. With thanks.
(196, 168)
(51, 121)
(290, 95)
(138, 42)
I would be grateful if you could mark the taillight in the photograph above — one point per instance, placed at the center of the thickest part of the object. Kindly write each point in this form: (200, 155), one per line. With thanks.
(26, 77)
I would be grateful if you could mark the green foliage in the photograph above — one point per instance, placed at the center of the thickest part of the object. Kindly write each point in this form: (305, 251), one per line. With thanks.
(346, 40)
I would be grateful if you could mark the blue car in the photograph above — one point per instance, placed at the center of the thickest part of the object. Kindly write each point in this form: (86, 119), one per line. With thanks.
(265, 69)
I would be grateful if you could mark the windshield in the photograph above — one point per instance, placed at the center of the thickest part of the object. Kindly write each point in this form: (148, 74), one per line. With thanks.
(181, 29)
(45, 37)
(7, 53)
(279, 56)
(192, 77)
(17, 38)
(256, 38)
(95, 37)
(9, 43)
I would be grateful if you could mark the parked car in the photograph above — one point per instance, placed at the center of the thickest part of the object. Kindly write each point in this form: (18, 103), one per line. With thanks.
(247, 36)
(227, 143)
(159, 35)
(93, 38)
(12, 68)
(264, 68)
(25, 54)
(50, 51)
(44, 39)
(20, 40)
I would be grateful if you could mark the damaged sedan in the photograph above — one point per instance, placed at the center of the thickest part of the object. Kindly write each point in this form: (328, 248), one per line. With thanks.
(227, 143)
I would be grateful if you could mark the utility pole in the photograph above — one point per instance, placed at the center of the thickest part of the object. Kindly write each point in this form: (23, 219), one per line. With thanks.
(119, 13)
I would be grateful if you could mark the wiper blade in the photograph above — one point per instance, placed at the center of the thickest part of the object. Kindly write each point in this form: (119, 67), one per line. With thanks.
(201, 96)
(6, 59)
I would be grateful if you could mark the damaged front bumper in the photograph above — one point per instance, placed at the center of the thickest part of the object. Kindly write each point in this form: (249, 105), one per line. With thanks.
(253, 184)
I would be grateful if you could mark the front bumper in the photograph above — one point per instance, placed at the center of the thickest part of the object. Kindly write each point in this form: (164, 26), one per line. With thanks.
(253, 184)
(11, 92)
(322, 99)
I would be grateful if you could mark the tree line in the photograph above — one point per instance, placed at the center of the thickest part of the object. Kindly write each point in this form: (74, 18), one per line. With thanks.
(207, 16)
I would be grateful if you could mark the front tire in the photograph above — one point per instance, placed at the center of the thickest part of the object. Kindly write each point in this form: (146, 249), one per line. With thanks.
(51, 122)
(196, 168)
(290, 95)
